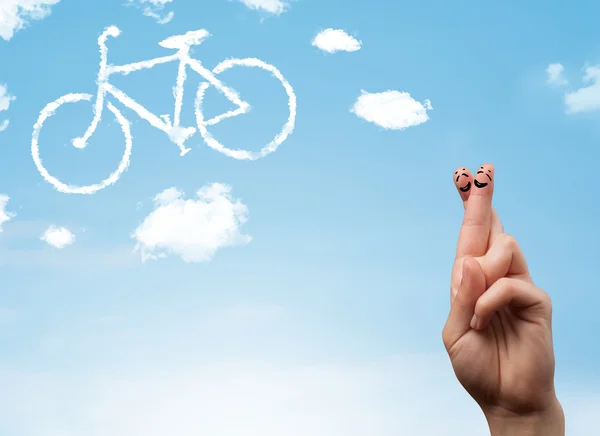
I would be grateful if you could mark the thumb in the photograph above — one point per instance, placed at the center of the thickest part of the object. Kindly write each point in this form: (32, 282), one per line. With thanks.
(463, 306)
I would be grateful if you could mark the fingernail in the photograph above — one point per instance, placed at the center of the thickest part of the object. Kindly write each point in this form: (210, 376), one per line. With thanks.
(474, 322)
(484, 176)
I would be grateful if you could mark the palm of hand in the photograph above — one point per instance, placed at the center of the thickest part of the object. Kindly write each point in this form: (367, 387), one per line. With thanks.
(507, 365)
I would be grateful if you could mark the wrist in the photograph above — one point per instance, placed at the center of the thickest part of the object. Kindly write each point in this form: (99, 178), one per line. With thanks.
(549, 422)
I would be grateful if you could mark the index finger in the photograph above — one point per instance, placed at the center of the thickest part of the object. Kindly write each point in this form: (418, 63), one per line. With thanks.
(475, 231)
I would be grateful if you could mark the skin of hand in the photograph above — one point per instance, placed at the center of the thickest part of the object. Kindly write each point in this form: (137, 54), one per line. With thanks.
(499, 331)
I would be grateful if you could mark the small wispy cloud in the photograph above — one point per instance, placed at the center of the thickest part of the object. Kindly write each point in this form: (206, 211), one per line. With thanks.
(192, 229)
(154, 9)
(58, 237)
(587, 98)
(17, 14)
(275, 7)
(393, 110)
(5, 100)
(555, 75)
(4, 214)
(333, 40)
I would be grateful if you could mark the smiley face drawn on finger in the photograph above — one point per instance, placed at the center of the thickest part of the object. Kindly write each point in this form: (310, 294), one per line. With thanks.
(483, 177)
(459, 176)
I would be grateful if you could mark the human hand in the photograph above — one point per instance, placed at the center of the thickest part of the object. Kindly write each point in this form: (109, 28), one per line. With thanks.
(499, 330)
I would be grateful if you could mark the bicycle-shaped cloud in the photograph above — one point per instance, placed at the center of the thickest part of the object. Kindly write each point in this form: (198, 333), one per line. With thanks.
(176, 132)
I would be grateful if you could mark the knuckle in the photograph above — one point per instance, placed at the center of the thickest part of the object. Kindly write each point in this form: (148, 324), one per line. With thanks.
(509, 241)
(545, 302)
(505, 288)
(505, 284)
(447, 339)
(545, 299)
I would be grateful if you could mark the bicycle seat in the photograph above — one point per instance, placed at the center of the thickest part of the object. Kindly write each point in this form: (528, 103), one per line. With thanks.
(194, 37)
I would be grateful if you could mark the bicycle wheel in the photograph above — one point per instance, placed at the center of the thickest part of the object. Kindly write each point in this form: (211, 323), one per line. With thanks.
(279, 138)
(47, 112)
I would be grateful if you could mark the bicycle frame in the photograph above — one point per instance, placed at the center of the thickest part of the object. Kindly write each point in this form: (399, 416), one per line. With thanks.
(176, 133)
(182, 45)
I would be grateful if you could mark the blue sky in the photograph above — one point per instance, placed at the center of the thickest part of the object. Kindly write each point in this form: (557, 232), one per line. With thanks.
(322, 312)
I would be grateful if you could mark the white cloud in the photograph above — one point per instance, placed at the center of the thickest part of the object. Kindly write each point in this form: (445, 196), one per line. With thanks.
(272, 6)
(332, 40)
(153, 371)
(16, 14)
(391, 109)
(58, 237)
(555, 75)
(5, 100)
(4, 214)
(399, 395)
(585, 99)
(153, 9)
(192, 229)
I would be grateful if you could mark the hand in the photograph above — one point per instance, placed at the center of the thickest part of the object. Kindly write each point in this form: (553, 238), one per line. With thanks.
(499, 330)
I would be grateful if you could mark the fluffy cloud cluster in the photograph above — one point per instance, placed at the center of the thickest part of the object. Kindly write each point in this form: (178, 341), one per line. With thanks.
(58, 237)
(332, 40)
(193, 229)
(391, 109)
(16, 14)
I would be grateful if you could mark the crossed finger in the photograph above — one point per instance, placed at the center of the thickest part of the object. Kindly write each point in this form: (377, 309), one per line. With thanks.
(503, 263)
(474, 237)
(504, 259)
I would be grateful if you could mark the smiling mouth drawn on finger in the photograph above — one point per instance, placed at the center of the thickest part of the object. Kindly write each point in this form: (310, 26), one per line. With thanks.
(482, 184)
(467, 186)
